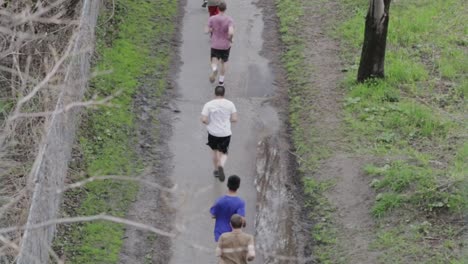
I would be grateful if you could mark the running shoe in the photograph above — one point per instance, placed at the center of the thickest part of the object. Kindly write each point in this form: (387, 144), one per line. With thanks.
(213, 76)
(221, 83)
(216, 173)
(221, 174)
(204, 4)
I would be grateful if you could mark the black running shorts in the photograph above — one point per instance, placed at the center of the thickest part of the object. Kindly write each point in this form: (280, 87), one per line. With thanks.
(220, 54)
(220, 144)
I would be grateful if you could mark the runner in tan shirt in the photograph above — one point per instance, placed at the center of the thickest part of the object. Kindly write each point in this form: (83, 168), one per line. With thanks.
(235, 247)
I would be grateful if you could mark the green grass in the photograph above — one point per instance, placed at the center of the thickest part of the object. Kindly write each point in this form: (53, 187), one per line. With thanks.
(324, 232)
(419, 242)
(412, 122)
(402, 184)
(2, 105)
(2, 109)
(293, 59)
(5, 106)
(415, 114)
(305, 139)
(134, 44)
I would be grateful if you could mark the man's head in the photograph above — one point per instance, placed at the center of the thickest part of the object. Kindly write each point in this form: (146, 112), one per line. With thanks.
(222, 6)
(236, 221)
(233, 183)
(219, 91)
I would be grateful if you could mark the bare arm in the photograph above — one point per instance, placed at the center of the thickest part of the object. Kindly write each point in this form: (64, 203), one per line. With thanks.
(234, 117)
(251, 250)
(204, 120)
(231, 33)
(219, 252)
(209, 28)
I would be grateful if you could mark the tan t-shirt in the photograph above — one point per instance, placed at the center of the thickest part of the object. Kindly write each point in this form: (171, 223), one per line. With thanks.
(234, 247)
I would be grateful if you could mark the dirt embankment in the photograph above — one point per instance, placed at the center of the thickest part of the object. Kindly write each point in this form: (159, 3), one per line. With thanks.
(279, 198)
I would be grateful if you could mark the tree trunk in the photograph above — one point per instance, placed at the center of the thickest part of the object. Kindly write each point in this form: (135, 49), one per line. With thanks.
(375, 40)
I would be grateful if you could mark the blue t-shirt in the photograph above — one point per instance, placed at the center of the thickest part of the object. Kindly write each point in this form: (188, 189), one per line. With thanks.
(222, 210)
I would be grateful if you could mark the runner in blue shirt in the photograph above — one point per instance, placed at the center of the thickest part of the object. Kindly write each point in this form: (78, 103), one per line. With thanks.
(226, 206)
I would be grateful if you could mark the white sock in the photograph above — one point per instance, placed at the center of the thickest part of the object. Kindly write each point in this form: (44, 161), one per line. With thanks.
(221, 78)
(214, 67)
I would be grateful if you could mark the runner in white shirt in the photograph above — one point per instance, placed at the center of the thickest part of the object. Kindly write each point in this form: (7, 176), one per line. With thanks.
(217, 115)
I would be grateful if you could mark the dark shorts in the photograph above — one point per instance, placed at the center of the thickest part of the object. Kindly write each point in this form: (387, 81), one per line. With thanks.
(213, 10)
(220, 54)
(220, 144)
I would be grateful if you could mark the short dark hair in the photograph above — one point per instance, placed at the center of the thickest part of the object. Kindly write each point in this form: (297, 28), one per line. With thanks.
(236, 221)
(222, 6)
(219, 90)
(233, 182)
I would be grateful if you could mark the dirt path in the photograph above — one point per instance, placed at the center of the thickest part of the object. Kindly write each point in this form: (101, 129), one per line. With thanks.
(152, 206)
(249, 84)
(248, 81)
(351, 196)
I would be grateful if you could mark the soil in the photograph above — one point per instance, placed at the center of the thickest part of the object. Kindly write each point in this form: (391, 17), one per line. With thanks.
(279, 184)
(351, 196)
(276, 192)
(249, 85)
(153, 207)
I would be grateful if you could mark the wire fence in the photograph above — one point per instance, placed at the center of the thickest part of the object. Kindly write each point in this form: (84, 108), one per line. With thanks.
(50, 167)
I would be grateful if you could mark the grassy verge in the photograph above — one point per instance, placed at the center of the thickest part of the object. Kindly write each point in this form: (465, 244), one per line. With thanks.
(135, 45)
(305, 138)
(413, 122)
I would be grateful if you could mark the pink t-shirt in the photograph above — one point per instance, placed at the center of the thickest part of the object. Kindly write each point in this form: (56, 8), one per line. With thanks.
(220, 25)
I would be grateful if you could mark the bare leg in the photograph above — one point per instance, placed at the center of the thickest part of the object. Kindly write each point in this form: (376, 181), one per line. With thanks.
(222, 159)
(216, 159)
(214, 69)
(223, 67)
(222, 71)
(214, 63)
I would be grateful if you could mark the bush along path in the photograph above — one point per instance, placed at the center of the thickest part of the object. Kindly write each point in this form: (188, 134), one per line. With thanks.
(384, 163)
(133, 43)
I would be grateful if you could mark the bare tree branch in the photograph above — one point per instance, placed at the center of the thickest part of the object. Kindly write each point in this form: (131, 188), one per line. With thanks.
(91, 103)
(79, 219)
(115, 177)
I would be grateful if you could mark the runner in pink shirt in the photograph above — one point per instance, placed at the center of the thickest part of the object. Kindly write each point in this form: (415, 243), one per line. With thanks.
(221, 28)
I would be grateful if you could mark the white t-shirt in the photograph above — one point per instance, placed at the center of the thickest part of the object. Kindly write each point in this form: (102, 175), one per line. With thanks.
(219, 113)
